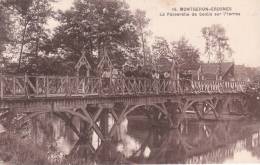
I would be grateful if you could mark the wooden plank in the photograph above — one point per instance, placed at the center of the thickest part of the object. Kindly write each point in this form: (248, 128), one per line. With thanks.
(31, 85)
(97, 114)
(47, 86)
(21, 87)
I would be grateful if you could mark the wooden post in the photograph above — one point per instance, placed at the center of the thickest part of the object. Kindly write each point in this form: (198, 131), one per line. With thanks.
(77, 85)
(47, 86)
(37, 85)
(14, 86)
(123, 83)
(104, 123)
(67, 86)
(25, 86)
(83, 85)
(1, 86)
(145, 86)
(100, 88)
(34, 130)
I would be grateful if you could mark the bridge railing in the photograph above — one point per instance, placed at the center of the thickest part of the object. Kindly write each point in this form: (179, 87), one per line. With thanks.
(53, 86)
(142, 86)
(218, 86)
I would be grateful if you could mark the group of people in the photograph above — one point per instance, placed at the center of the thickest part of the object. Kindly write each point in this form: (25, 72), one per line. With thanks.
(109, 75)
(140, 72)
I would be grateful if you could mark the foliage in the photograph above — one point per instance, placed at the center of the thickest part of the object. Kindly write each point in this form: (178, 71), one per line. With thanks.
(89, 26)
(92, 25)
(5, 33)
(17, 151)
(21, 6)
(184, 54)
(141, 23)
(217, 45)
(187, 56)
(30, 16)
(161, 48)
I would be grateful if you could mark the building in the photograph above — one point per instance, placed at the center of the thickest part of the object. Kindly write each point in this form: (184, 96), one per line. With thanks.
(209, 71)
(245, 73)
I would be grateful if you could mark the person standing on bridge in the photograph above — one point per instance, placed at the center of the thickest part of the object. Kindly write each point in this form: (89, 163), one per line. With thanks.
(166, 75)
(106, 76)
(156, 77)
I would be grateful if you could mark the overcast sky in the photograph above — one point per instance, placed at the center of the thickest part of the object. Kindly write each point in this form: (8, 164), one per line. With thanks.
(243, 31)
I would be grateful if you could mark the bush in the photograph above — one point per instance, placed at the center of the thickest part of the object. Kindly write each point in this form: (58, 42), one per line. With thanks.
(17, 151)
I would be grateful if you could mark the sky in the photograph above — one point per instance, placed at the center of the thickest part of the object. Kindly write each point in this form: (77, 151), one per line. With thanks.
(243, 30)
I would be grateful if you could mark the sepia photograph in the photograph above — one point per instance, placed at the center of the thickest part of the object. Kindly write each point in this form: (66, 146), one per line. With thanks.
(110, 82)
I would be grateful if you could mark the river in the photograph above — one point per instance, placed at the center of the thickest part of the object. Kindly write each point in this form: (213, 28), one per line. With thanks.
(138, 142)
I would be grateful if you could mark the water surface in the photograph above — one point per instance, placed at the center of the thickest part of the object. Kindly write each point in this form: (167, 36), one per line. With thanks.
(137, 141)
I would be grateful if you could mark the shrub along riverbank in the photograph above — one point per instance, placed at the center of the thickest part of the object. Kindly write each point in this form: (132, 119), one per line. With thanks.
(14, 150)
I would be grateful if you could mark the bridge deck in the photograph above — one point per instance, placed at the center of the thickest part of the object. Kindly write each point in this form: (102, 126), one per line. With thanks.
(46, 92)
(24, 87)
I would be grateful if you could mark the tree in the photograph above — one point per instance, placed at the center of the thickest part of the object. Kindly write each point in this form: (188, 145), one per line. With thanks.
(32, 15)
(186, 56)
(142, 22)
(92, 25)
(4, 27)
(161, 47)
(6, 34)
(217, 45)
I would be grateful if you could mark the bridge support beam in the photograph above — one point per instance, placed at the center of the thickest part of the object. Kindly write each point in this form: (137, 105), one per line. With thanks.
(104, 123)
(184, 105)
(213, 106)
(34, 130)
(197, 107)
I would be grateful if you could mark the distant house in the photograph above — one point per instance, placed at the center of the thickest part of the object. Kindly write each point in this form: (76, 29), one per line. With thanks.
(245, 73)
(208, 71)
(242, 73)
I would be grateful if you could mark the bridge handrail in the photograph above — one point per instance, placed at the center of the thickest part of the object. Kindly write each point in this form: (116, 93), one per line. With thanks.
(12, 86)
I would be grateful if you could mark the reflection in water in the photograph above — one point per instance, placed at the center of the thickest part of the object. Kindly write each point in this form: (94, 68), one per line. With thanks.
(204, 142)
(96, 141)
(63, 145)
(194, 142)
(128, 145)
(224, 141)
(242, 157)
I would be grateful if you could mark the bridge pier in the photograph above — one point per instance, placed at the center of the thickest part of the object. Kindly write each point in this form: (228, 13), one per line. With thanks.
(104, 123)
(198, 108)
(203, 108)
(34, 130)
(184, 105)
(212, 105)
(85, 131)
(173, 110)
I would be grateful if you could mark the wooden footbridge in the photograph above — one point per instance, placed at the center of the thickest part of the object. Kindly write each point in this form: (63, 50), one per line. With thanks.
(91, 100)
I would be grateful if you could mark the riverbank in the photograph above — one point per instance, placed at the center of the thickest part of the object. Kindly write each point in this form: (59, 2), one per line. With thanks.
(14, 150)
